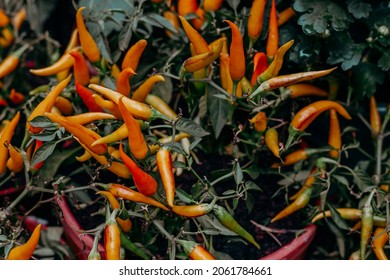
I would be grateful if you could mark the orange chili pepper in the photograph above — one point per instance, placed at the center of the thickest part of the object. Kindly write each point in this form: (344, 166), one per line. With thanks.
(80, 68)
(199, 43)
(119, 134)
(273, 32)
(172, 18)
(26, 250)
(85, 118)
(5, 138)
(211, 5)
(307, 184)
(380, 239)
(4, 19)
(296, 156)
(126, 193)
(259, 121)
(226, 80)
(375, 119)
(87, 42)
(260, 64)
(117, 168)
(125, 223)
(46, 104)
(64, 105)
(255, 20)
(200, 20)
(7, 37)
(143, 181)
(15, 160)
(192, 211)
(302, 89)
(197, 62)
(137, 143)
(133, 55)
(334, 138)
(11, 62)
(165, 140)
(123, 83)
(112, 239)
(165, 169)
(87, 97)
(107, 105)
(304, 117)
(271, 139)
(300, 202)
(161, 106)
(237, 54)
(64, 63)
(143, 90)
(185, 7)
(83, 134)
(195, 251)
(137, 109)
(285, 15)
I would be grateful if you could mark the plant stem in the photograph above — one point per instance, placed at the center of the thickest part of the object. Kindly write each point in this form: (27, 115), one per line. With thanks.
(226, 176)
(378, 168)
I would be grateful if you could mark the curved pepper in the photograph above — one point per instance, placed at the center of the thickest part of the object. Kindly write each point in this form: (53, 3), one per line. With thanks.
(195, 38)
(226, 80)
(273, 32)
(237, 64)
(334, 138)
(11, 62)
(5, 138)
(15, 160)
(64, 63)
(87, 97)
(26, 250)
(80, 68)
(133, 55)
(126, 193)
(367, 226)
(229, 222)
(259, 121)
(137, 143)
(375, 119)
(83, 134)
(85, 118)
(260, 64)
(144, 89)
(165, 169)
(123, 83)
(107, 105)
(88, 44)
(195, 251)
(380, 239)
(192, 211)
(64, 105)
(143, 181)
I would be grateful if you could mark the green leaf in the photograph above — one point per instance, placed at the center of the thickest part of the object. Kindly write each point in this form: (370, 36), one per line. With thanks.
(233, 4)
(253, 171)
(179, 164)
(318, 16)
(43, 152)
(218, 110)
(159, 21)
(238, 175)
(41, 121)
(359, 9)
(249, 185)
(191, 127)
(249, 202)
(183, 196)
(340, 222)
(164, 89)
(343, 50)
(124, 36)
(384, 61)
(365, 78)
(194, 144)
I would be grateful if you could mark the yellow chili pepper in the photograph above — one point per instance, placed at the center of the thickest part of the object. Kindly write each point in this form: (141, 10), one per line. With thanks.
(259, 121)
(271, 139)
(88, 44)
(26, 250)
(11, 62)
(334, 138)
(375, 119)
(203, 60)
(161, 106)
(143, 90)
(15, 160)
(85, 118)
(5, 138)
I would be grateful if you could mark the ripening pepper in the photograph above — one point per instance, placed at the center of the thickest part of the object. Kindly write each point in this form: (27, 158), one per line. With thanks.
(133, 55)
(375, 119)
(259, 121)
(80, 67)
(211, 5)
(380, 239)
(15, 160)
(144, 89)
(237, 64)
(87, 97)
(260, 64)
(85, 118)
(18, 19)
(11, 62)
(123, 83)
(303, 89)
(64, 105)
(165, 169)
(161, 106)
(255, 20)
(334, 138)
(185, 7)
(16, 97)
(192, 211)
(112, 239)
(271, 139)
(285, 15)
(195, 38)
(273, 32)
(87, 42)
(195, 251)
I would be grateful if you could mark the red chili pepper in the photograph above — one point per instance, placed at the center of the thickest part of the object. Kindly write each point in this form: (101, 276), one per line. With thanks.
(38, 144)
(137, 143)
(144, 182)
(88, 44)
(80, 68)
(26, 250)
(87, 97)
(260, 64)
(165, 169)
(16, 97)
(237, 62)
(273, 32)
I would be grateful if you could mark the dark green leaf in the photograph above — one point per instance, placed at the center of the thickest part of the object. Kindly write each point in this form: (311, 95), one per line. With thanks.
(253, 171)
(160, 21)
(179, 164)
(41, 121)
(340, 222)
(194, 144)
(319, 15)
(229, 192)
(238, 175)
(233, 3)
(219, 112)
(164, 89)
(365, 78)
(43, 152)
(249, 202)
(183, 196)
(249, 185)
(359, 9)
(191, 127)
(125, 36)
(384, 61)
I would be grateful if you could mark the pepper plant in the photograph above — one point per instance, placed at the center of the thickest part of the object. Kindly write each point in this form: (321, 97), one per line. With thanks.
(120, 119)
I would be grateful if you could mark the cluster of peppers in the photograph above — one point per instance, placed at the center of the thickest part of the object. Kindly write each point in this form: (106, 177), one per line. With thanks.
(126, 151)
